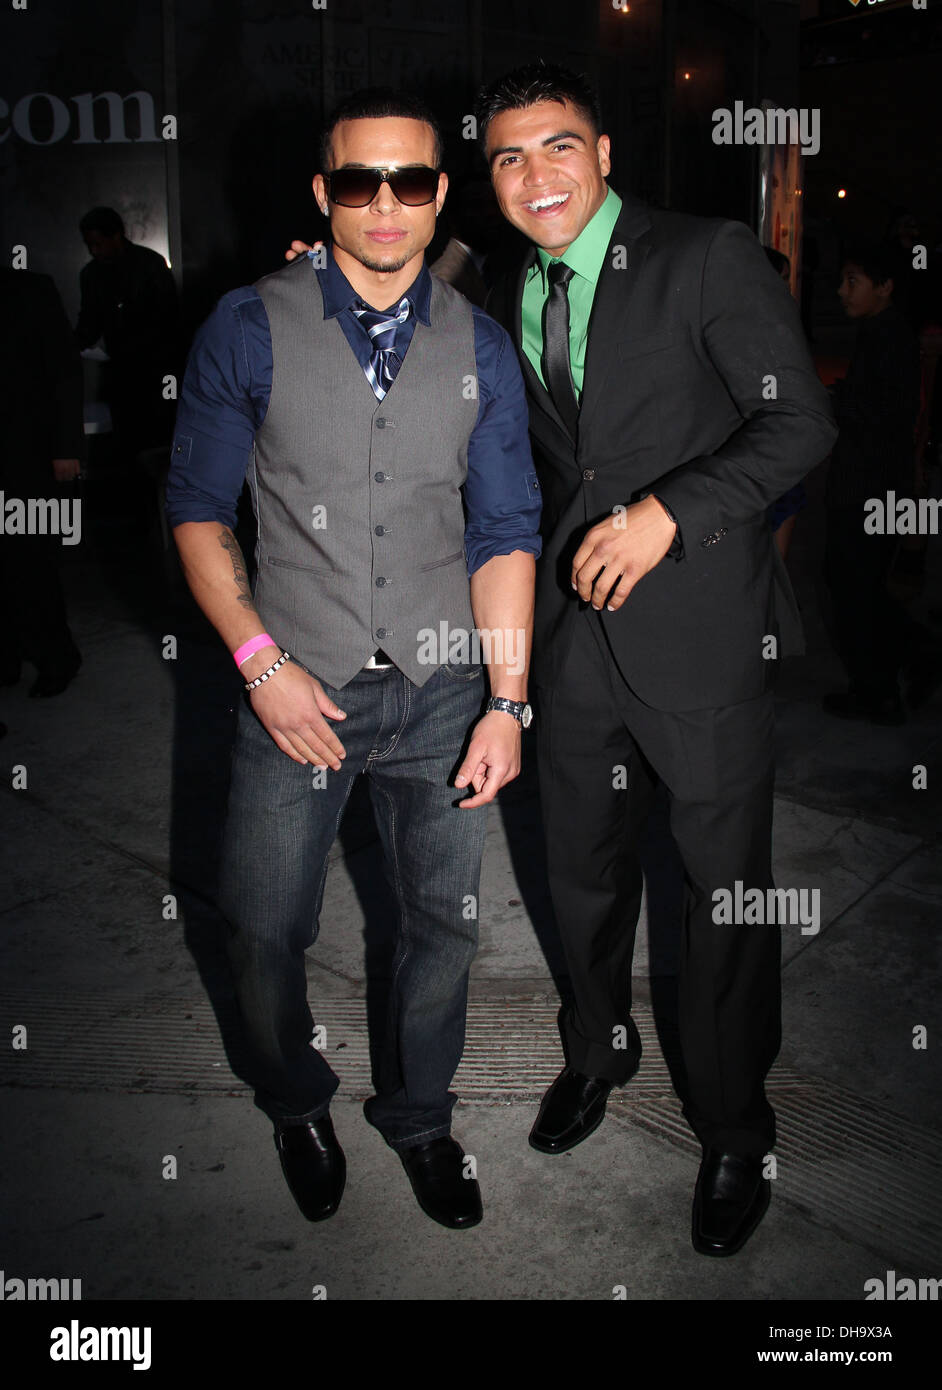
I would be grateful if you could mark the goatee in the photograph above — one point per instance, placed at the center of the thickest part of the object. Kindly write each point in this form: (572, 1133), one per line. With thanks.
(387, 267)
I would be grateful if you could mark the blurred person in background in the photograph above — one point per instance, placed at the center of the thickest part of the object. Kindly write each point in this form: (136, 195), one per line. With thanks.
(129, 306)
(42, 447)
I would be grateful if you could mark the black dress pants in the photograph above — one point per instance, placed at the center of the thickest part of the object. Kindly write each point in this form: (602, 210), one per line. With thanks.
(717, 765)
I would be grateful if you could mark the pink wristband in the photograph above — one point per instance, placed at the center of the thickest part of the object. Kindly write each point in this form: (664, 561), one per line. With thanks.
(253, 645)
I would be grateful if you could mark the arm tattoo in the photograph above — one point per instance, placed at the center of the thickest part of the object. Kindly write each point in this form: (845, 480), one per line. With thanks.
(228, 542)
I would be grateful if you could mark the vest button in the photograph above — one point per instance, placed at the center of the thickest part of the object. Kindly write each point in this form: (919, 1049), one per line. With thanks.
(380, 530)
(381, 583)
(380, 632)
(588, 474)
(380, 477)
(381, 423)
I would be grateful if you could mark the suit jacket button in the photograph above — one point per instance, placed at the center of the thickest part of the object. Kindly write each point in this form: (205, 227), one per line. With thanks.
(588, 474)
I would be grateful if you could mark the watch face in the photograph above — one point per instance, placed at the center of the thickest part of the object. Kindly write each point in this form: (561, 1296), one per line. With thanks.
(526, 716)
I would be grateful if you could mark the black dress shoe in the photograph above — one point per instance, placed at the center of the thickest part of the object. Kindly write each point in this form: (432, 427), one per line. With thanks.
(436, 1172)
(313, 1164)
(730, 1200)
(573, 1107)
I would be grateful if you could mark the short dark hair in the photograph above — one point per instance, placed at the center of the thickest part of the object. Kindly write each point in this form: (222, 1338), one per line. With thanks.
(375, 102)
(533, 83)
(103, 220)
(878, 261)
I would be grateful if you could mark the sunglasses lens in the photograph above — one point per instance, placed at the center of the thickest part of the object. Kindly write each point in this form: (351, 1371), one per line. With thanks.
(354, 188)
(414, 187)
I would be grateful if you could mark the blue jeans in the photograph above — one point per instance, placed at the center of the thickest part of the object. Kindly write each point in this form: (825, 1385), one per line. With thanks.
(279, 830)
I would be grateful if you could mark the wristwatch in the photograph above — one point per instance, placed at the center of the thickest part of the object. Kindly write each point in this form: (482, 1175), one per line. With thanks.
(520, 711)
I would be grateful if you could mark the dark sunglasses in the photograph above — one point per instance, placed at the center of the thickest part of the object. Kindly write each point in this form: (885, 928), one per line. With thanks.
(355, 188)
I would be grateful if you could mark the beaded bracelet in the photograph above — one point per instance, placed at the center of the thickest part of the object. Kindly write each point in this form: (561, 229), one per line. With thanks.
(266, 675)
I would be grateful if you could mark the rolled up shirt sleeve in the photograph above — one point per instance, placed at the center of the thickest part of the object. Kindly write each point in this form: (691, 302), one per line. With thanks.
(225, 395)
(502, 492)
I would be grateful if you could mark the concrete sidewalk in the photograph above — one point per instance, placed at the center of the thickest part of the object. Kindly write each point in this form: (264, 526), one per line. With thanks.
(126, 1011)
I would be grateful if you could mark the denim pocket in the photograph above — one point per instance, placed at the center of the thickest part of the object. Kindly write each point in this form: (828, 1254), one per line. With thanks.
(462, 670)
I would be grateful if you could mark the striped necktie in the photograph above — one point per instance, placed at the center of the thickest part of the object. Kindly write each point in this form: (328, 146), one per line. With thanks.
(382, 327)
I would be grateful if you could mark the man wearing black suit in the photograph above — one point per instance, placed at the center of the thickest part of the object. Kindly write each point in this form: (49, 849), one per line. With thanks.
(672, 398)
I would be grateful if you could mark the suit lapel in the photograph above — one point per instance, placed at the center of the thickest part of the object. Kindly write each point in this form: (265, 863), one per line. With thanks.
(612, 300)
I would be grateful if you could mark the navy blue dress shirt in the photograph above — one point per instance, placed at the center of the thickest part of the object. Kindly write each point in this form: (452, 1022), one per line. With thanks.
(226, 392)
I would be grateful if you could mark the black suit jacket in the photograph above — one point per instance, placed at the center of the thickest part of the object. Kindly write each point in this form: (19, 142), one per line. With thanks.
(698, 387)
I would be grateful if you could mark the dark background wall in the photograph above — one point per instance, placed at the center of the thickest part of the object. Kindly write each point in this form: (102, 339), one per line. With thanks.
(878, 78)
(61, 152)
(248, 80)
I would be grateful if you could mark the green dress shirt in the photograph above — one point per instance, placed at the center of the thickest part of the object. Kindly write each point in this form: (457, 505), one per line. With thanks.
(585, 257)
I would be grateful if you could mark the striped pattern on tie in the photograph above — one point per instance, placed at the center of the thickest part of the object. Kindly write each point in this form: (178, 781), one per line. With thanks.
(382, 327)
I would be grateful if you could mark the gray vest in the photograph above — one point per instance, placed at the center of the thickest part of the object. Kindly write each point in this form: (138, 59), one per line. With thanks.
(358, 501)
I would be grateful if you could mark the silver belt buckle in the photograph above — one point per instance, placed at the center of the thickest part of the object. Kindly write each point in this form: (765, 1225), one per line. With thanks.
(374, 665)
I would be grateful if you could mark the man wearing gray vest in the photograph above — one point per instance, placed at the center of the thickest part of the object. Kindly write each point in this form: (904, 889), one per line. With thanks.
(381, 425)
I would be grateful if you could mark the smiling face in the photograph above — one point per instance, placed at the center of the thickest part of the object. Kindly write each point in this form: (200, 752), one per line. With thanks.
(548, 168)
(386, 237)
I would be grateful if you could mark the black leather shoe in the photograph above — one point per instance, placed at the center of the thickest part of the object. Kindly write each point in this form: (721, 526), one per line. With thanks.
(730, 1200)
(573, 1107)
(314, 1166)
(436, 1172)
